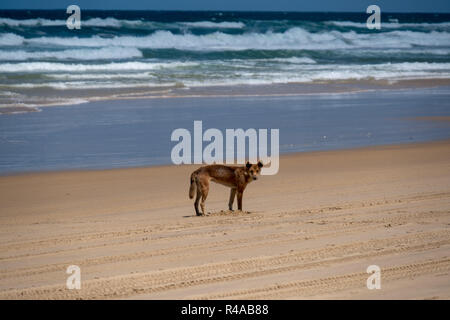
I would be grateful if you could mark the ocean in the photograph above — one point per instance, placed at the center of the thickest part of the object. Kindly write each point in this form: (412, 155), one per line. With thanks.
(138, 53)
(120, 85)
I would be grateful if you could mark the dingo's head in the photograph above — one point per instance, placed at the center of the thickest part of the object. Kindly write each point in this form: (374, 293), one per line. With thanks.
(254, 170)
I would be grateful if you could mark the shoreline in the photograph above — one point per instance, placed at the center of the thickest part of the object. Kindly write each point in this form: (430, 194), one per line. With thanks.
(282, 155)
(323, 218)
(72, 97)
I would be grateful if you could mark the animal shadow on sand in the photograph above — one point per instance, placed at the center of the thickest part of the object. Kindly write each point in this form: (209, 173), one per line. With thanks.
(221, 213)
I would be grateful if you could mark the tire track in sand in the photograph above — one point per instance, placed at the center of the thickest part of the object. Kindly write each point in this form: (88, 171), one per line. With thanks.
(313, 287)
(207, 222)
(159, 281)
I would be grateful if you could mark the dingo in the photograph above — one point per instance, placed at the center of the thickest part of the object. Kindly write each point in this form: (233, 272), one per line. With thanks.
(236, 178)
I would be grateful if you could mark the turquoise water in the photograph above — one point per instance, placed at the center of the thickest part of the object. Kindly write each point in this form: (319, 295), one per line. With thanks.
(127, 49)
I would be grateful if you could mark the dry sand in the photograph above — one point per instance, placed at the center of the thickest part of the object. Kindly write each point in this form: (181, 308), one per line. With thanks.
(311, 232)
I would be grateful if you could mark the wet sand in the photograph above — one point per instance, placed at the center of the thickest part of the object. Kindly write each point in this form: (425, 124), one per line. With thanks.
(34, 98)
(310, 232)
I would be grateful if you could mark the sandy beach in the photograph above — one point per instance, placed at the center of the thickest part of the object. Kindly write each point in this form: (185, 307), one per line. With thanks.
(309, 232)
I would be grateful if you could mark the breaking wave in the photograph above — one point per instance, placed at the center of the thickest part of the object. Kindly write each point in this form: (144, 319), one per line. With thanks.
(294, 38)
(58, 67)
(111, 53)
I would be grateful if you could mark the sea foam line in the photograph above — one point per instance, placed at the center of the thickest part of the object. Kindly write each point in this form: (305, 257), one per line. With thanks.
(116, 23)
(73, 54)
(294, 38)
(119, 66)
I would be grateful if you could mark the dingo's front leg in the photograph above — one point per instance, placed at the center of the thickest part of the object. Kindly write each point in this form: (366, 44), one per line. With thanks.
(240, 194)
(232, 196)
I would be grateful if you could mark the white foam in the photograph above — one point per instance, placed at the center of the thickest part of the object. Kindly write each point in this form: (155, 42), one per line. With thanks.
(73, 54)
(93, 22)
(50, 67)
(101, 76)
(92, 85)
(294, 38)
(30, 22)
(295, 73)
(334, 72)
(10, 39)
(295, 60)
(116, 23)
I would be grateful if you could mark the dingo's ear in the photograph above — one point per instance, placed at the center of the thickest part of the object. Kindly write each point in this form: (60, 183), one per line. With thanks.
(260, 164)
(248, 165)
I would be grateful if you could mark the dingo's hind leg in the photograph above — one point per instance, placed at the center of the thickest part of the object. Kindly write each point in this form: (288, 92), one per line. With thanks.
(205, 190)
(197, 200)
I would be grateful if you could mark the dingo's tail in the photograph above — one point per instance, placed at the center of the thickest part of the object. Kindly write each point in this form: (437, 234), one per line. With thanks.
(193, 185)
